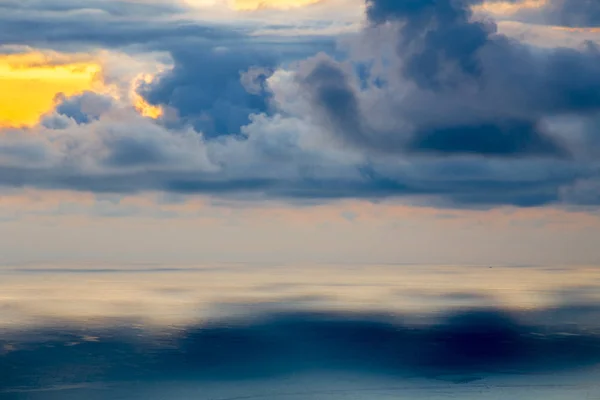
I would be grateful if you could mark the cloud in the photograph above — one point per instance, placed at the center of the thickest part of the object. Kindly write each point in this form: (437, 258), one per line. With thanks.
(566, 13)
(488, 138)
(251, 5)
(279, 157)
(69, 25)
(143, 8)
(153, 25)
(428, 103)
(206, 90)
(75, 145)
(30, 82)
(85, 107)
(202, 89)
(455, 86)
(213, 85)
(92, 143)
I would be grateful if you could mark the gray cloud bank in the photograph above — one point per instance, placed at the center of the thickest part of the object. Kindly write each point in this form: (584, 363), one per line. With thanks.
(427, 101)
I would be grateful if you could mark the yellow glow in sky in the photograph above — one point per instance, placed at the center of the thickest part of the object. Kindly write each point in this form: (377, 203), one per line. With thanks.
(141, 105)
(30, 82)
(251, 5)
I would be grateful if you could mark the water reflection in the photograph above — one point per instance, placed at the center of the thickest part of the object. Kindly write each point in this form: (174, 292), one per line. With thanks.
(237, 331)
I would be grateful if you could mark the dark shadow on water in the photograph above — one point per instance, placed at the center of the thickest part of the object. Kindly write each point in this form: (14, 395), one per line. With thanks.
(469, 342)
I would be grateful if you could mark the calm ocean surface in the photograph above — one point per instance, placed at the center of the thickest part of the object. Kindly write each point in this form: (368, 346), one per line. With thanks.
(245, 331)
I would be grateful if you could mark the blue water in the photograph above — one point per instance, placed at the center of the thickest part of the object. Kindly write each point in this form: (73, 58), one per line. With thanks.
(299, 332)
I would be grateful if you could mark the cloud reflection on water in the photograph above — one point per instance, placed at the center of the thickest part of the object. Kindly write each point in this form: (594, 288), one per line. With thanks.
(182, 294)
(111, 327)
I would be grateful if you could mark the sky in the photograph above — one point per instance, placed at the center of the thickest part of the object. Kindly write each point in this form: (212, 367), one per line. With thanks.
(341, 131)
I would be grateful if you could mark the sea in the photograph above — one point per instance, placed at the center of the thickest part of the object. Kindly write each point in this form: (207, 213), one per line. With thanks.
(238, 330)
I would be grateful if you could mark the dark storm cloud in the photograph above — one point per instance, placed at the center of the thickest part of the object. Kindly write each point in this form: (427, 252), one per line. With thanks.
(206, 90)
(329, 87)
(491, 138)
(208, 85)
(472, 343)
(462, 88)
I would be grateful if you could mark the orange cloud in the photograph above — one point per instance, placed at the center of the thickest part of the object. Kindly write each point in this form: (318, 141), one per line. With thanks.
(29, 83)
(252, 5)
(507, 7)
(576, 30)
(140, 104)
